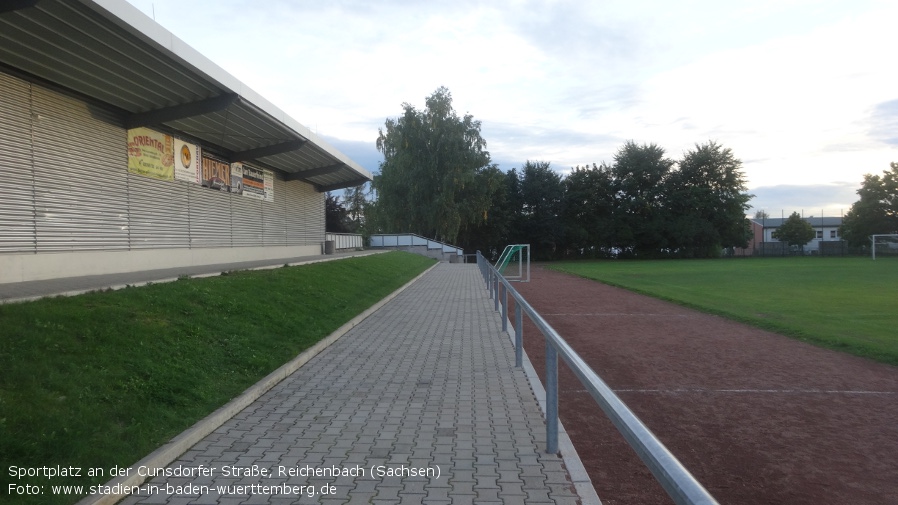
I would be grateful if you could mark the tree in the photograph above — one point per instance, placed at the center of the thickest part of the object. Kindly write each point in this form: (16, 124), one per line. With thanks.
(762, 214)
(489, 235)
(588, 214)
(706, 201)
(356, 203)
(795, 231)
(334, 214)
(430, 179)
(542, 200)
(639, 174)
(876, 211)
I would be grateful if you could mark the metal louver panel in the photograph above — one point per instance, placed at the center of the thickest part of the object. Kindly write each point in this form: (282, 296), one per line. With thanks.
(17, 232)
(305, 214)
(81, 198)
(274, 215)
(315, 217)
(210, 217)
(294, 191)
(246, 221)
(159, 213)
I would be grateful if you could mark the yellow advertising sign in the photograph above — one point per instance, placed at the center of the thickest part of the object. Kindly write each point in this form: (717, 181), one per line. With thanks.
(151, 154)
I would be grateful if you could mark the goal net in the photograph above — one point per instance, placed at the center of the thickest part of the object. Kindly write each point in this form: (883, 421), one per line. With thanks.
(884, 245)
(514, 263)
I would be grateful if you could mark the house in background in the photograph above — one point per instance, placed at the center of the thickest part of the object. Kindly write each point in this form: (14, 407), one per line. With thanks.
(762, 243)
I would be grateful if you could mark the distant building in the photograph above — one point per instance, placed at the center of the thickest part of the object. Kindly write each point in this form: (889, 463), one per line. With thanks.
(762, 241)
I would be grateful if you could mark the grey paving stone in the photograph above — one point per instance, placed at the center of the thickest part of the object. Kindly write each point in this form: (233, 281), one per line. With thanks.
(426, 382)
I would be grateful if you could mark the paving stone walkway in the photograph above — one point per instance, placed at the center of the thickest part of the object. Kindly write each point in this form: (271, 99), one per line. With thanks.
(420, 403)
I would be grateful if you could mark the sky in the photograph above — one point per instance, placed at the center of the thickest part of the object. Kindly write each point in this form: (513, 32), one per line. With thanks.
(804, 92)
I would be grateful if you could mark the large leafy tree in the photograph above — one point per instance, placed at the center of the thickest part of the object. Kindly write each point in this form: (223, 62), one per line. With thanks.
(334, 214)
(489, 235)
(356, 201)
(589, 211)
(877, 209)
(639, 173)
(542, 200)
(707, 202)
(434, 179)
(795, 231)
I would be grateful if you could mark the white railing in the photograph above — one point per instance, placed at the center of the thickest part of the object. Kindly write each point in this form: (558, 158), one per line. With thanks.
(345, 240)
(409, 240)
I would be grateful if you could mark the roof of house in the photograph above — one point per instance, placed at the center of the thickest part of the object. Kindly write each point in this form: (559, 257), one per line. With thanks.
(108, 51)
(776, 222)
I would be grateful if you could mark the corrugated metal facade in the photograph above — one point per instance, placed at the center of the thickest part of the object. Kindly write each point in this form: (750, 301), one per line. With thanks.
(159, 213)
(210, 217)
(308, 229)
(274, 215)
(66, 187)
(17, 193)
(81, 191)
(246, 221)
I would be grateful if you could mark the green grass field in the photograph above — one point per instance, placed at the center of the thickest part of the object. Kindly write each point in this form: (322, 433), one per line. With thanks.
(105, 378)
(849, 304)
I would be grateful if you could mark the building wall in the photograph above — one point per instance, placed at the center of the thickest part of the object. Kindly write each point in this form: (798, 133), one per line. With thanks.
(754, 241)
(69, 206)
(829, 234)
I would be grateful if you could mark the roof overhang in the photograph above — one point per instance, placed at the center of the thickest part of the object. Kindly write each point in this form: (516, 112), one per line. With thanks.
(108, 51)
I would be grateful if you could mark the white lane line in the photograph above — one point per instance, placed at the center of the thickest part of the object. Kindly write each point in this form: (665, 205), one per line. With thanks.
(754, 391)
(602, 314)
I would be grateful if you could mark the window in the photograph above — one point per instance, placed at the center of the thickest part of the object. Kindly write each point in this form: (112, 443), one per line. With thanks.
(820, 234)
(833, 234)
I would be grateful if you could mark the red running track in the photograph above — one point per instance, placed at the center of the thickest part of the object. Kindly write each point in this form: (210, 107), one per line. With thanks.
(757, 417)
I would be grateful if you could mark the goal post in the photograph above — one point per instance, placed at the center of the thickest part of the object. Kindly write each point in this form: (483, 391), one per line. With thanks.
(515, 257)
(886, 243)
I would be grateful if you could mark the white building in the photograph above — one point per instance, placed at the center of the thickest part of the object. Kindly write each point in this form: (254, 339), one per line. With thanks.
(826, 230)
(123, 149)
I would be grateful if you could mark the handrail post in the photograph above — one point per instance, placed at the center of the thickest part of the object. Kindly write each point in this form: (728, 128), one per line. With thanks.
(504, 308)
(676, 480)
(551, 398)
(518, 335)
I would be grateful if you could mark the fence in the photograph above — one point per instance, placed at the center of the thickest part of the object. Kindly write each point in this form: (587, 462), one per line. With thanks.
(419, 244)
(345, 240)
(670, 473)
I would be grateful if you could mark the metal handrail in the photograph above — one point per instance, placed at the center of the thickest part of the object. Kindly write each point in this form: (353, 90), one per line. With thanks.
(429, 243)
(676, 480)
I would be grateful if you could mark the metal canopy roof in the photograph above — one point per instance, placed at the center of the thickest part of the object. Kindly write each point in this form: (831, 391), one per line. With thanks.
(108, 51)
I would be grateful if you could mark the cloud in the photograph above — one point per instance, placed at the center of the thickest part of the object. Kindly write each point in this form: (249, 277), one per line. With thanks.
(562, 147)
(884, 121)
(812, 199)
(802, 90)
(363, 153)
(575, 31)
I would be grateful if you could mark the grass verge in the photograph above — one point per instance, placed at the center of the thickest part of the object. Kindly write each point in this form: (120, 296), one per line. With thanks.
(104, 378)
(846, 304)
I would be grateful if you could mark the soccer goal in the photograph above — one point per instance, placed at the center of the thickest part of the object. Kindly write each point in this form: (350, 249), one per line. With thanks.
(514, 263)
(885, 244)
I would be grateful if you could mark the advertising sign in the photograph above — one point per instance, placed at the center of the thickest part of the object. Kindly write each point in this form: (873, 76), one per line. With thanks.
(269, 186)
(237, 178)
(253, 183)
(151, 154)
(216, 174)
(187, 162)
